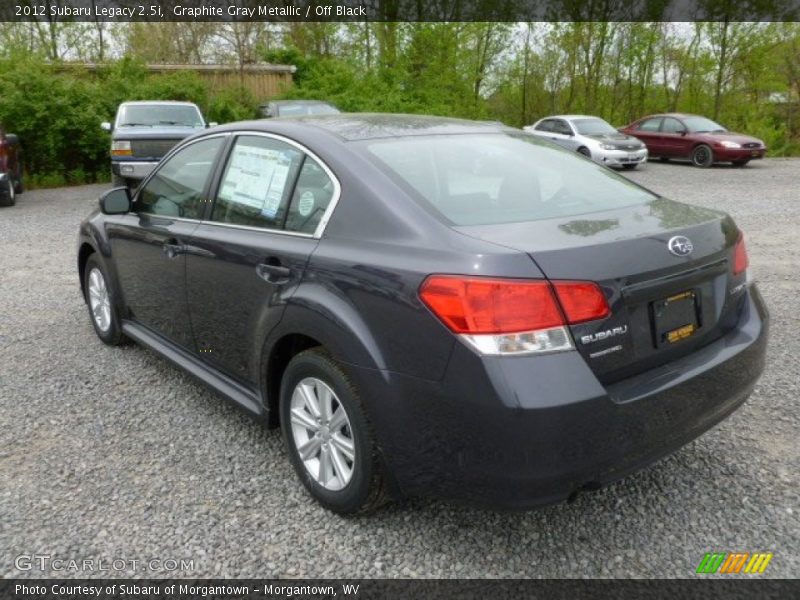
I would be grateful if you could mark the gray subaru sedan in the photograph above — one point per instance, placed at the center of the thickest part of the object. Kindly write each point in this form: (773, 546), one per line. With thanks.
(430, 306)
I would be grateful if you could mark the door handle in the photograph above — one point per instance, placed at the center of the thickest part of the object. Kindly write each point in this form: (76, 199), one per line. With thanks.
(172, 248)
(273, 273)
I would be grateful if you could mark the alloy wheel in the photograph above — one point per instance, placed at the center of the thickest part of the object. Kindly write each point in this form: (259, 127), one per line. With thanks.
(322, 434)
(702, 156)
(99, 300)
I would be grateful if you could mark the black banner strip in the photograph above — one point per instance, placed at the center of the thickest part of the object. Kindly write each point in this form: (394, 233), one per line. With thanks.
(737, 586)
(398, 10)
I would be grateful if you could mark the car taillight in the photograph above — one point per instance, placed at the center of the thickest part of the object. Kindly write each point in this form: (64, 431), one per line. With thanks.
(512, 316)
(582, 301)
(740, 260)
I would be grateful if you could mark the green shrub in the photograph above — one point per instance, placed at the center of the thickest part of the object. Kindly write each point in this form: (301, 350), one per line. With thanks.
(57, 111)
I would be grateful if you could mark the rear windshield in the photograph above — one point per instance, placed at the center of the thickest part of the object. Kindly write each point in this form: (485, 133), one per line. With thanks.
(159, 115)
(484, 179)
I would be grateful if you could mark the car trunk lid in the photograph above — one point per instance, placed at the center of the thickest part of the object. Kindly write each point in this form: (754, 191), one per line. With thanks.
(650, 289)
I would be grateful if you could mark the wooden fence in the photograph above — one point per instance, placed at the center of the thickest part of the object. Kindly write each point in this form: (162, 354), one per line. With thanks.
(264, 81)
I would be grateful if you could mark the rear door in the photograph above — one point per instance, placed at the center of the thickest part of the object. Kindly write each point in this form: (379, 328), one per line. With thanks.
(245, 260)
(148, 244)
(649, 132)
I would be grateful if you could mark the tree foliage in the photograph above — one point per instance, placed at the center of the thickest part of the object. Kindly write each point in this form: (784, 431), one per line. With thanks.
(744, 74)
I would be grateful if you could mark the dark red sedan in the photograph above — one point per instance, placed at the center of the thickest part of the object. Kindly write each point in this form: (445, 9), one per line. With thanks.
(701, 140)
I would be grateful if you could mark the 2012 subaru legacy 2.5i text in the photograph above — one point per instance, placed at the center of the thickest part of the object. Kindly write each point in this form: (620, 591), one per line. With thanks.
(430, 306)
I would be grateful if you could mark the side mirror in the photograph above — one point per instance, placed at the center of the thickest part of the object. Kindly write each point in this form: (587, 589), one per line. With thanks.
(116, 201)
(105, 126)
(12, 139)
(212, 124)
(683, 132)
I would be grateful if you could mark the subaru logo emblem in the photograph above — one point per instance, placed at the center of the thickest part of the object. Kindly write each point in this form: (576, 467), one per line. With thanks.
(680, 245)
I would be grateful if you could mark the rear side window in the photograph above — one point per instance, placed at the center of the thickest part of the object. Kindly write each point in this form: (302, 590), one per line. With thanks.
(483, 179)
(546, 125)
(257, 182)
(649, 125)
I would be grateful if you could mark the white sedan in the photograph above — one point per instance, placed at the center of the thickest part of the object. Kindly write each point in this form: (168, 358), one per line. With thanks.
(593, 137)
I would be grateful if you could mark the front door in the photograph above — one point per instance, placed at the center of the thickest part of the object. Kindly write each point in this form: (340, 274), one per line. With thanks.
(673, 135)
(148, 244)
(244, 263)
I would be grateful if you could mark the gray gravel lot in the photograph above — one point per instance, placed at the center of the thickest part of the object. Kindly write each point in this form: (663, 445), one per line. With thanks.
(113, 453)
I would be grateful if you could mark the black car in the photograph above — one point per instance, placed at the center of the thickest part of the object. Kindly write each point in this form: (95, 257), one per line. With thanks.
(10, 168)
(431, 306)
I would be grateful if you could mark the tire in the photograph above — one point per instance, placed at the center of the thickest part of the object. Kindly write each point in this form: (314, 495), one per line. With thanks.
(8, 196)
(741, 163)
(358, 486)
(107, 327)
(118, 181)
(702, 156)
(629, 167)
(19, 186)
(585, 151)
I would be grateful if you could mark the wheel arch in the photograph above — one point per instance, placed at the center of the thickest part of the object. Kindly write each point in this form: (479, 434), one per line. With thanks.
(84, 252)
(329, 322)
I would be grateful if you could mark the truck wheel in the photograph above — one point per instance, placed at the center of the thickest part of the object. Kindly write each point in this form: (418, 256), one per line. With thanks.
(7, 194)
(19, 186)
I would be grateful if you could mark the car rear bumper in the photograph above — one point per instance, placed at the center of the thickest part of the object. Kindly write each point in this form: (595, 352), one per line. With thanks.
(618, 158)
(518, 432)
(133, 169)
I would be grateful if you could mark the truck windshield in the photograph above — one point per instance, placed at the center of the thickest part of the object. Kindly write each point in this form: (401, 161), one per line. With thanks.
(159, 115)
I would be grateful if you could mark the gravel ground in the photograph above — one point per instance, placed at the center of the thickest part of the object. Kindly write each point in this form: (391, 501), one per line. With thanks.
(114, 454)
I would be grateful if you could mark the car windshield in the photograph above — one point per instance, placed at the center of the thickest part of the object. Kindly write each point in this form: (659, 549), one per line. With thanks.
(593, 126)
(702, 125)
(159, 115)
(485, 179)
(300, 110)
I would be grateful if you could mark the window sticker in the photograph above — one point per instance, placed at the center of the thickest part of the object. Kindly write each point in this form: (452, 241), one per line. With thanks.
(306, 204)
(256, 178)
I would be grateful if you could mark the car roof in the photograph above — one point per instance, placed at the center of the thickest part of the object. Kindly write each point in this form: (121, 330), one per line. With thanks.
(672, 114)
(284, 102)
(571, 117)
(363, 126)
(140, 102)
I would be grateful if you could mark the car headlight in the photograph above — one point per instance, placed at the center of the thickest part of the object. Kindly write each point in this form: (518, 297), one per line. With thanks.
(121, 148)
(608, 147)
(729, 144)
